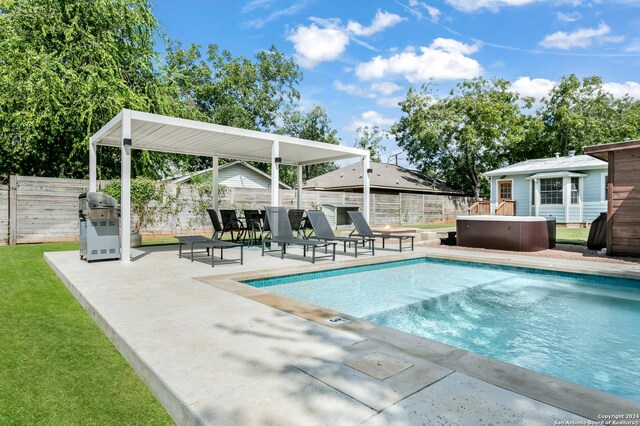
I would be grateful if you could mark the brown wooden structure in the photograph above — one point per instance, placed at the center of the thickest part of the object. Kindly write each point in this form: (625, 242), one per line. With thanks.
(623, 195)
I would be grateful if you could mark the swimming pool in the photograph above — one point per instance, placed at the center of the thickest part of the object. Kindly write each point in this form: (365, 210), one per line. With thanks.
(580, 328)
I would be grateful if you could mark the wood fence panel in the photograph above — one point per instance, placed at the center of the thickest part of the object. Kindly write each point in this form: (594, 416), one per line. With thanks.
(47, 208)
(4, 214)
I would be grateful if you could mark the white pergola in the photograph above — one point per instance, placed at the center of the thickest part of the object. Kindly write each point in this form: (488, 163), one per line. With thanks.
(141, 130)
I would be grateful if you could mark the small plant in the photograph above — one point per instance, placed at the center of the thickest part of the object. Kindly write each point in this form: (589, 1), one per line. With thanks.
(146, 200)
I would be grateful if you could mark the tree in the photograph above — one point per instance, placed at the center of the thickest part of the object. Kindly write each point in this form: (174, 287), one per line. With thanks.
(314, 125)
(370, 138)
(579, 113)
(66, 68)
(461, 136)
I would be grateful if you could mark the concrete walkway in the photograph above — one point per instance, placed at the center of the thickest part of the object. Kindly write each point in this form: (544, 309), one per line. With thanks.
(213, 356)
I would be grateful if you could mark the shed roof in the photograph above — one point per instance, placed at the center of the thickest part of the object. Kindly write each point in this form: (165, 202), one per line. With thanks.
(576, 162)
(602, 151)
(162, 133)
(237, 163)
(384, 176)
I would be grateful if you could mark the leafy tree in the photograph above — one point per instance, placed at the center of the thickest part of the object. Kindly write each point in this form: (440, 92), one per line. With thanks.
(370, 138)
(314, 125)
(66, 68)
(578, 113)
(228, 90)
(461, 136)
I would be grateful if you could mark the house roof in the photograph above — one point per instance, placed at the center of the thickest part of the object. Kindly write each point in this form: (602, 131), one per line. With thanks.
(576, 162)
(187, 177)
(384, 176)
(602, 151)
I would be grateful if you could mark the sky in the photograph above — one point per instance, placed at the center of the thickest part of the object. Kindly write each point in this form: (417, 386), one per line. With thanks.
(359, 57)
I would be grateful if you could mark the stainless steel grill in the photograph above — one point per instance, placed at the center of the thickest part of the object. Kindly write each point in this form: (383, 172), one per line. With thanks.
(99, 223)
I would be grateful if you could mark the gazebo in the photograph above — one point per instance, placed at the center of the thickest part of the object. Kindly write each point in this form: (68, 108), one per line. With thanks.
(141, 130)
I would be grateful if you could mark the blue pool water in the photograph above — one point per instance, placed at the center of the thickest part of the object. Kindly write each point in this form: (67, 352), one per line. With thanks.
(579, 328)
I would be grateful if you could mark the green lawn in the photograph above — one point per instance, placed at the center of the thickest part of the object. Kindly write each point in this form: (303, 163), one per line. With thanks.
(56, 366)
(572, 235)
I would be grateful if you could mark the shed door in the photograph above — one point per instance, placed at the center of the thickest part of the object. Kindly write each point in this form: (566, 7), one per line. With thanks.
(504, 190)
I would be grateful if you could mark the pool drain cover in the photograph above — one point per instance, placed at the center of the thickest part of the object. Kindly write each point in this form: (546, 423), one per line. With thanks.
(338, 321)
(378, 365)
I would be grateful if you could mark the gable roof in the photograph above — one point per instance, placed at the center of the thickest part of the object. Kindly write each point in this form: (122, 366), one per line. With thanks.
(576, 162)
(237, 163)
(384, 176)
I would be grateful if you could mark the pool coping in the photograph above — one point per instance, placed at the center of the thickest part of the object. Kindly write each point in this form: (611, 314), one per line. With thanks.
(572, 397)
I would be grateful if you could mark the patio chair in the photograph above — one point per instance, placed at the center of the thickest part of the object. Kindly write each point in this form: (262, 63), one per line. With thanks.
(231, 223)
(324, 232)
(281, 233)
(253, 226)
(364, 231)
(296, 218)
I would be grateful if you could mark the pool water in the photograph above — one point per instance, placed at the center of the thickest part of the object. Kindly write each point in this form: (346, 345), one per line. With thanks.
(575, 327)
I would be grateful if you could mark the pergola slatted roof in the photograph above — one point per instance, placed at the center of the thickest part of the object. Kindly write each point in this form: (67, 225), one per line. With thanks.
(180, 136)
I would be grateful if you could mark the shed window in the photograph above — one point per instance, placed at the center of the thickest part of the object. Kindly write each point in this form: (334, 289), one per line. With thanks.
(605, 182)
(551, 191)
(575, 190)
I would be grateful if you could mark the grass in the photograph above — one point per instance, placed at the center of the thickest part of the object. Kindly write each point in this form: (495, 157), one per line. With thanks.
(56, 365)
(572, 235)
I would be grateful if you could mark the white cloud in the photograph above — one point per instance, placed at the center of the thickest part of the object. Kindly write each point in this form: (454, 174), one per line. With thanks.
(276, 14)
(434, 13)
(453, 46)
(634, 46)
(370, 118)
(541, 87)
(582, 37)
(385, 87)
(537, 88)
(314, 44)
(390, 102)
(568, 17)
(327, 39)
(619, 90)
(381, 21)
(493, 5)
(352, 89)
(444, 60)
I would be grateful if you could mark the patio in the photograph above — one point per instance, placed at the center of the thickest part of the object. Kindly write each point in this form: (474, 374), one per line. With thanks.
(215, 351)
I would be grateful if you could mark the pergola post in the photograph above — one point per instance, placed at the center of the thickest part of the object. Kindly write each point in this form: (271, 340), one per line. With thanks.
(275, 173)
(299, 186)
(125, 188)
(93, 173)
(366, 164)
(214, 183)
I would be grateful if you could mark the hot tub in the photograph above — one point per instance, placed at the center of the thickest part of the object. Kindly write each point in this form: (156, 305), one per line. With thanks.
(514, 233)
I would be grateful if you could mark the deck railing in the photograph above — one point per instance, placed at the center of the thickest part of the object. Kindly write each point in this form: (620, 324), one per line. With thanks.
(480, 208)
(506, 208)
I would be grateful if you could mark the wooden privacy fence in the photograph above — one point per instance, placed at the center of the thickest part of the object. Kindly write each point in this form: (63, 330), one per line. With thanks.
(34, 209)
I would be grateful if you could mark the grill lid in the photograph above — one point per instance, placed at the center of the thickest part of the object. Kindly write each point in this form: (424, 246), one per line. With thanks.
(99, 200)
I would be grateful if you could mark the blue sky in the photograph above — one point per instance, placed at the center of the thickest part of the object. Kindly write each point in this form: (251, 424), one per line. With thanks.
(360, 57)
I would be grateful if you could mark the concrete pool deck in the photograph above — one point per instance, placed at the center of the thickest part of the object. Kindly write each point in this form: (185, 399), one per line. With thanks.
(215, 351)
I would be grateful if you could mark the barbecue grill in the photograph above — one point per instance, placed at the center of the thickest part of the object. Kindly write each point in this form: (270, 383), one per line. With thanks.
(99, 225)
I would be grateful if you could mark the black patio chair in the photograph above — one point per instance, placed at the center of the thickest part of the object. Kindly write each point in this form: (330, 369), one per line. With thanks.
(231, 224)
(296, 217)
(253, 226)
(323, 232)
(281, 234)
(364, 231)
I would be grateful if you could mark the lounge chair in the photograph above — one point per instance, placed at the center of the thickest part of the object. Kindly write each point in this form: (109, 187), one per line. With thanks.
(209, 243)
(364, 231)
(323, 232)
(278, 223)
